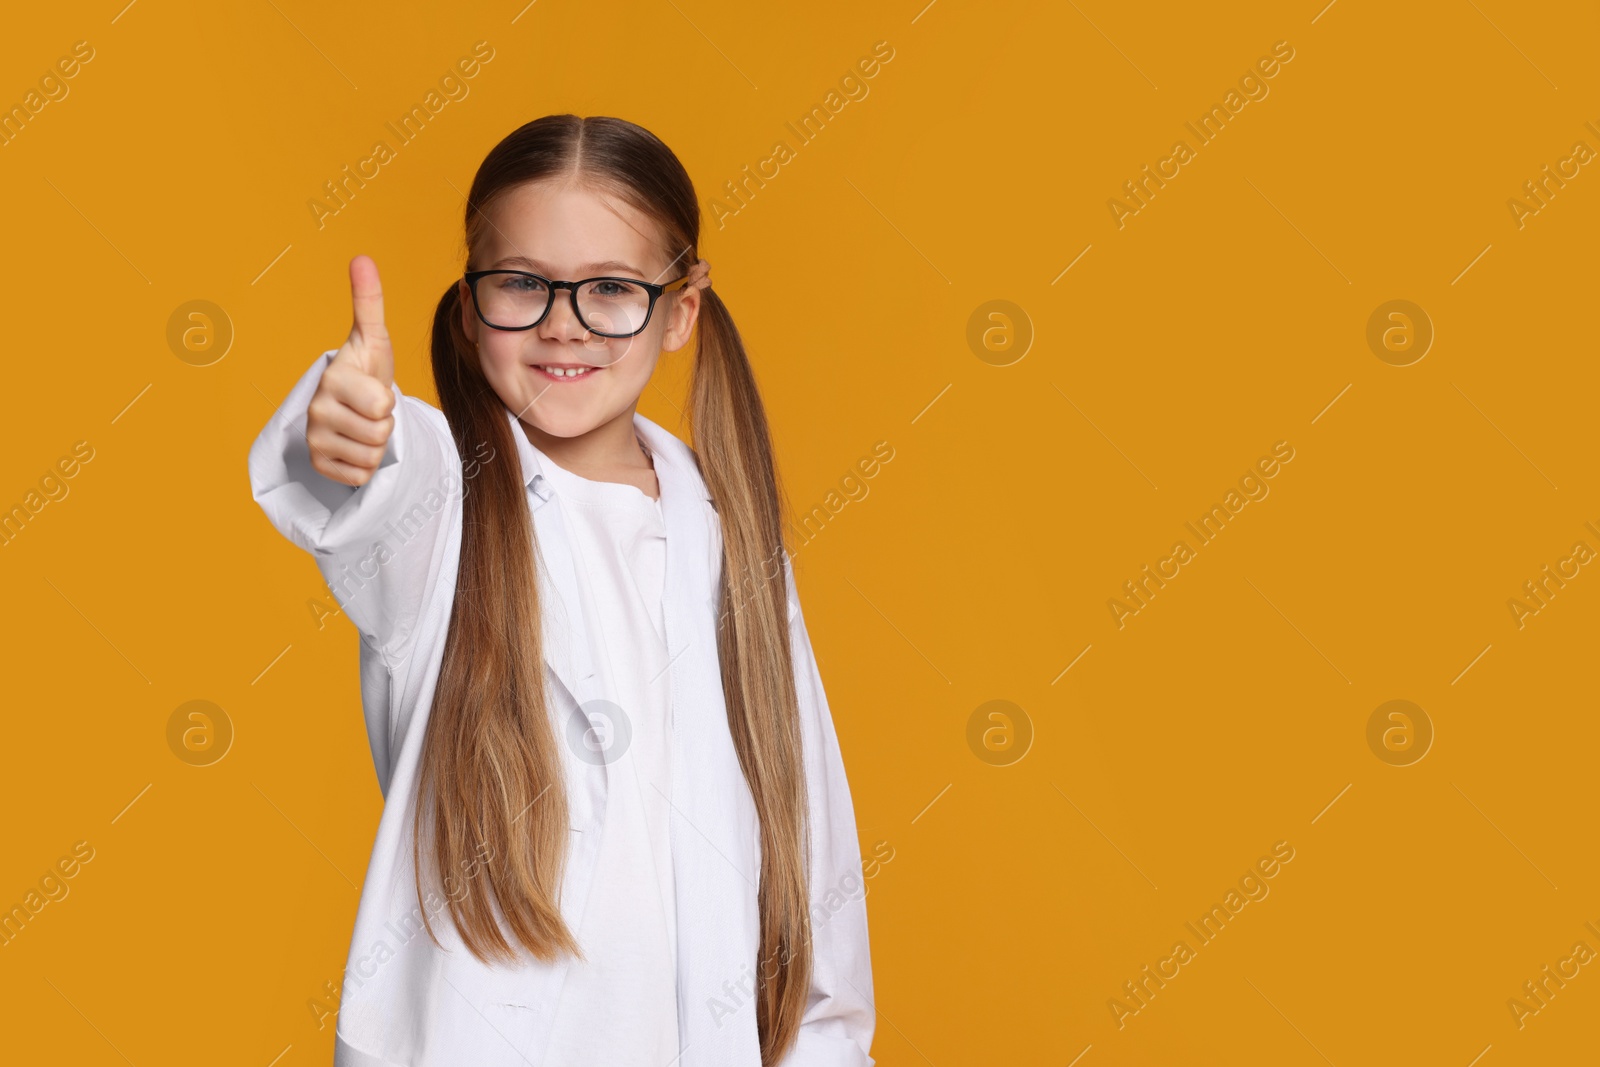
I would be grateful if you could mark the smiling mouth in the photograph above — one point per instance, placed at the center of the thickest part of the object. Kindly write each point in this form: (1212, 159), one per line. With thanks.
(565, 373)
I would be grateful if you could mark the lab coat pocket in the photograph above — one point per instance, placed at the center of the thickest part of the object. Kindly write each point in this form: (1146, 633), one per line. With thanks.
(495, 1014)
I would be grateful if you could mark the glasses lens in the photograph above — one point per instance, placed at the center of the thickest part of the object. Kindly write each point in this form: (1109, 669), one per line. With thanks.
(512, 301)
(613, 306)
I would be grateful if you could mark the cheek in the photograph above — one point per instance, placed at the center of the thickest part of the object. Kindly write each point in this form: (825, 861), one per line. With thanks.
(500, 355)
(636, 365)
(632, 359)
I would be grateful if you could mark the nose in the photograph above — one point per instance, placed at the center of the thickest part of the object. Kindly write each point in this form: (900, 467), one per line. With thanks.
(562, 324)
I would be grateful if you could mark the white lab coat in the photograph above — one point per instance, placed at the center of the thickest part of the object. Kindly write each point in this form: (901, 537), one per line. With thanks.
(406, 1003)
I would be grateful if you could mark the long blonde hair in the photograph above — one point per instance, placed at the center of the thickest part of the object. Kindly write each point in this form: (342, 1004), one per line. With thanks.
(491, 775)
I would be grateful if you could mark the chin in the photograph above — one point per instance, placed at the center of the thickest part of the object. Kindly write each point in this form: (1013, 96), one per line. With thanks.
(561, 423)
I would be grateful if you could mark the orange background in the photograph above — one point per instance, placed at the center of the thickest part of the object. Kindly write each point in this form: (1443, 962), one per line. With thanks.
(1228, 314)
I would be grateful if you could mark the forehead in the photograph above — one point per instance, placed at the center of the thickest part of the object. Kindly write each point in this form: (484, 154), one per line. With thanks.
(567, 229)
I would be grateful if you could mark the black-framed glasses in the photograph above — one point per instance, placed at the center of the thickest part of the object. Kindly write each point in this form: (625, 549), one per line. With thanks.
(607, 306)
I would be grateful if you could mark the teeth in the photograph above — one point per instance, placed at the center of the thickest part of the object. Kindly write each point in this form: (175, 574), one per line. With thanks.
(566, 372)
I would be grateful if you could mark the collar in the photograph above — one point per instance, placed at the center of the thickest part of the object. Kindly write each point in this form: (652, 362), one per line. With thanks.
(665, 447)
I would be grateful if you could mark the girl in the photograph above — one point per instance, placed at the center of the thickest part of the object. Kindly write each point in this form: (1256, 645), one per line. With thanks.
(617, 828)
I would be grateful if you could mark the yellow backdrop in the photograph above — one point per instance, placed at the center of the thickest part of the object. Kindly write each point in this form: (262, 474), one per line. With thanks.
(1211, 646)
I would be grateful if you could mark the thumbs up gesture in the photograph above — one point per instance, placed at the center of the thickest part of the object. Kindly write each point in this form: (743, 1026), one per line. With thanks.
(351, 415)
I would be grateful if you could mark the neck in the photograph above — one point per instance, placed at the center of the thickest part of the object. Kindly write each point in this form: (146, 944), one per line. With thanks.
(612, 448)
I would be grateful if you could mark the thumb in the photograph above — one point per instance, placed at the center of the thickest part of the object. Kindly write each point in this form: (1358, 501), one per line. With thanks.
(369, 335)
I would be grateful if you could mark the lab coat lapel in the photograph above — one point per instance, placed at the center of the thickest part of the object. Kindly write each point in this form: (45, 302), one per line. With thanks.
(564, 632)
(715, 832)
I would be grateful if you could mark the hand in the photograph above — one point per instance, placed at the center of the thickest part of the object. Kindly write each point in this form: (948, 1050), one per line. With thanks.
(351, 416)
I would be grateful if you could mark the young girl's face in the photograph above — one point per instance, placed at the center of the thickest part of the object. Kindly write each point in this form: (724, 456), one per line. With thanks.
(563, 232)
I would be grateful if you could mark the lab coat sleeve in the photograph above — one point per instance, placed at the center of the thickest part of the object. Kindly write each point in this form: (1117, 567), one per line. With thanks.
(836, 1029)
(376, 545)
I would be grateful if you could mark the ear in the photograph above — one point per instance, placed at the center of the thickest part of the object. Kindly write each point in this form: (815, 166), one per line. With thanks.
(469, 319)
(681, 317)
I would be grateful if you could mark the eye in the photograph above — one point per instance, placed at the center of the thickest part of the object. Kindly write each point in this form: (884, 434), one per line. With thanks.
(612, 288)
(520, 283)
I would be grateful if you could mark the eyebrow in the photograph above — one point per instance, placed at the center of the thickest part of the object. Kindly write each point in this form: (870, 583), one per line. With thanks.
(583, 268)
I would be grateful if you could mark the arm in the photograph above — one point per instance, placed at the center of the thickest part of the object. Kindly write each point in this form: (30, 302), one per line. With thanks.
(377, 544)
(836, 1030)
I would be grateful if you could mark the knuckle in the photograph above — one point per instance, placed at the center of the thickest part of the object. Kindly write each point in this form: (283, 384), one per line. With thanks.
(326, 468)
(375, 400)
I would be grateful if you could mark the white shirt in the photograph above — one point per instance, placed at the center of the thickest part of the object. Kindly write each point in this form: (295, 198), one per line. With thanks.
(390, 552)
(620, 1004)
